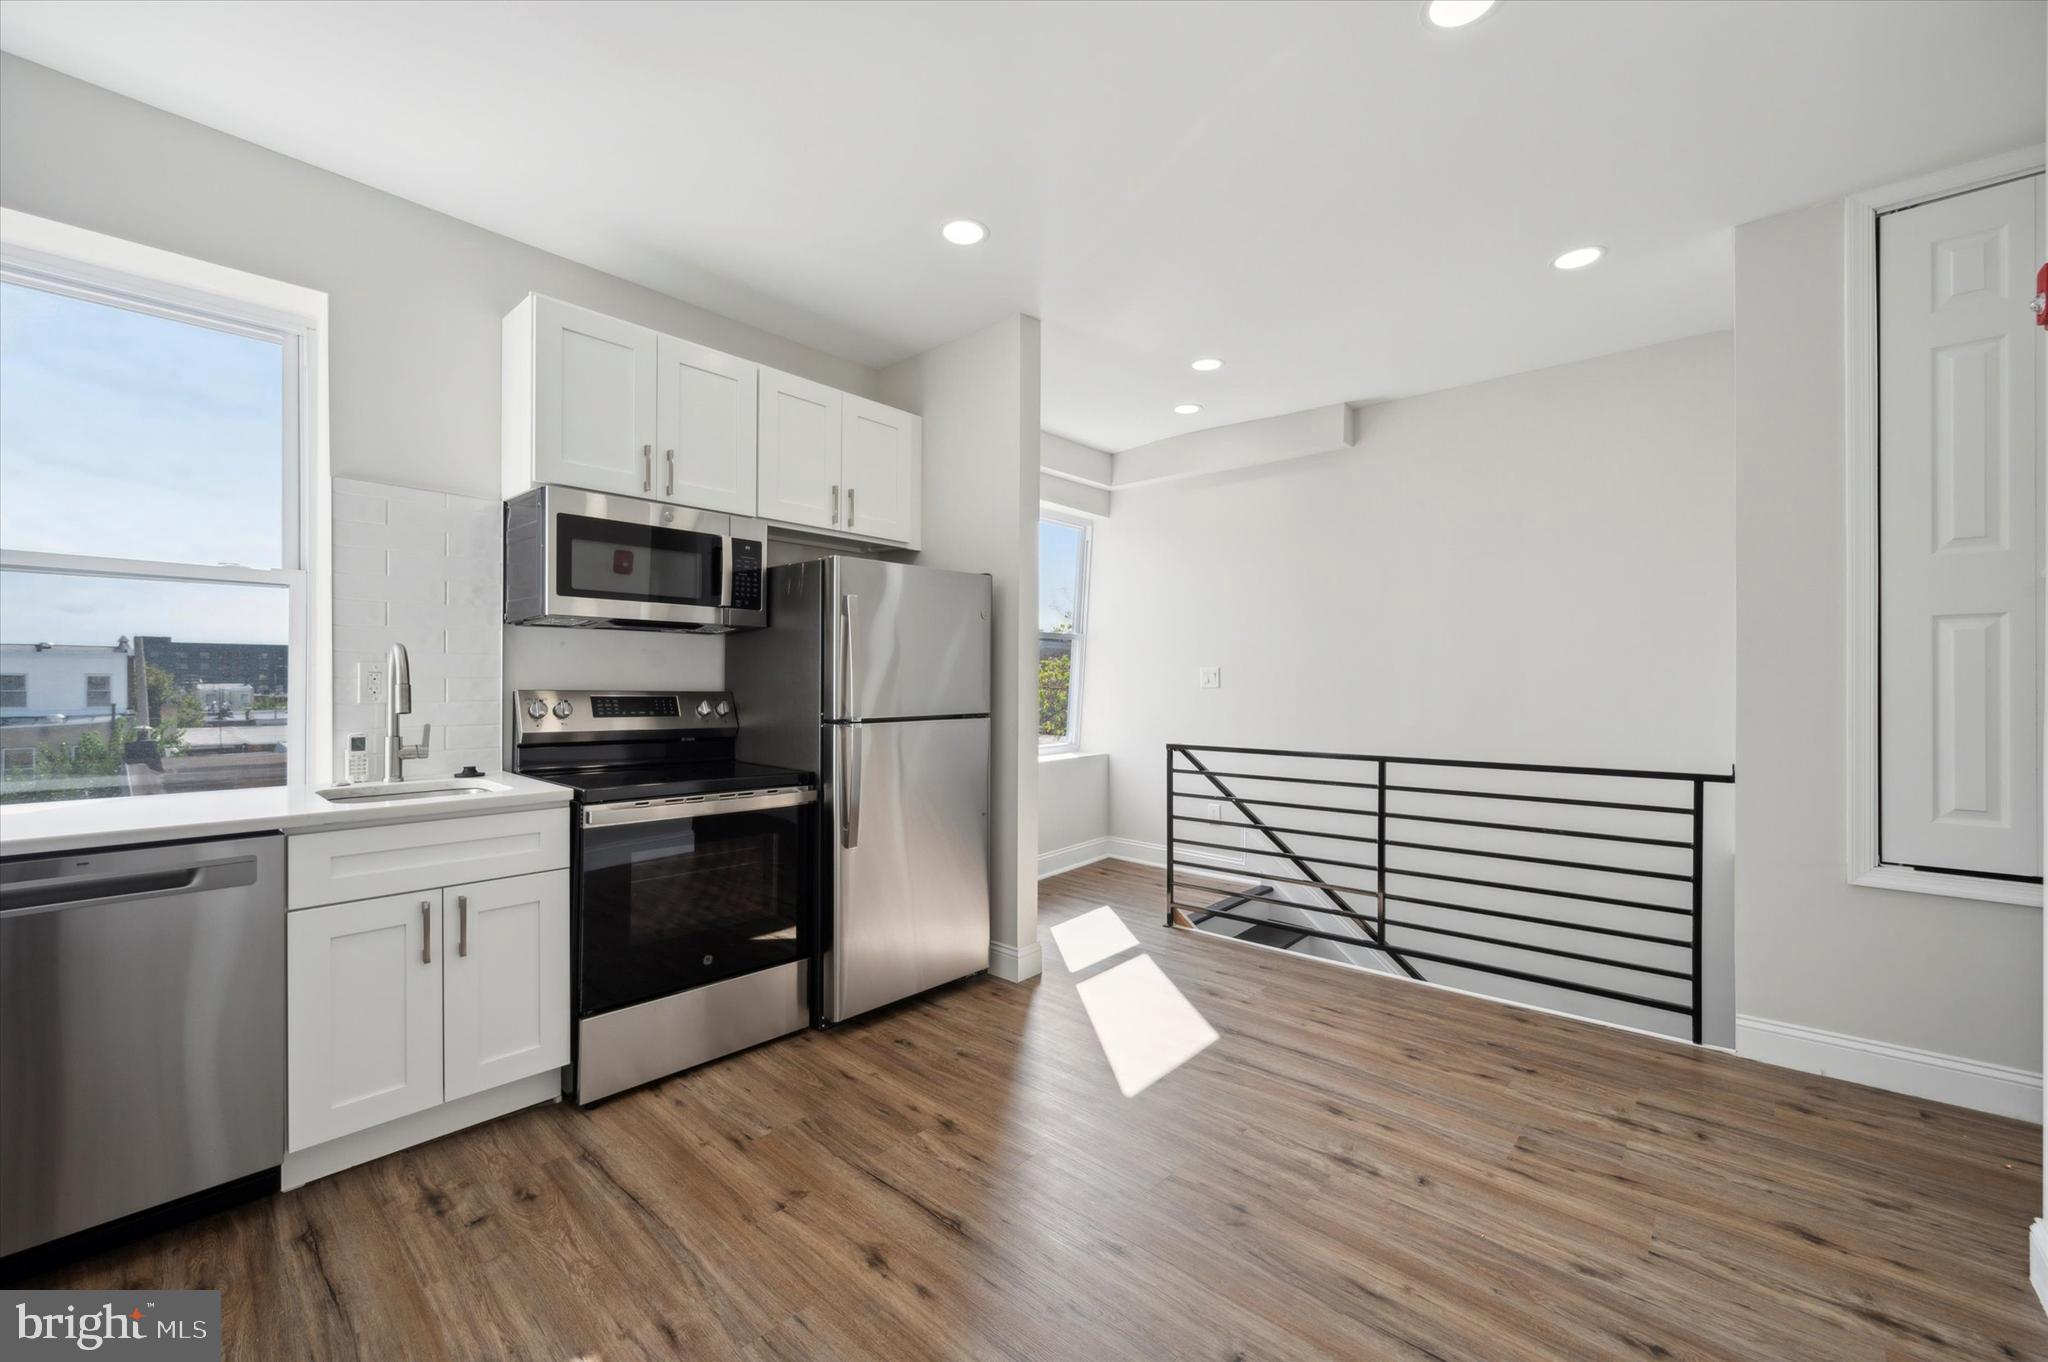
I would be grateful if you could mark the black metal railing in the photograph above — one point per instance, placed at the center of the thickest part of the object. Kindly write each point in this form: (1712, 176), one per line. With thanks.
(1432, 862)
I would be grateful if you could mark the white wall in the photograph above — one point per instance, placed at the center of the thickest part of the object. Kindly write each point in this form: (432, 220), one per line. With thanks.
(1073, 809)
(415, 299)
(56, 678)
(979, 399)
(1951, 976)
(1538, 568)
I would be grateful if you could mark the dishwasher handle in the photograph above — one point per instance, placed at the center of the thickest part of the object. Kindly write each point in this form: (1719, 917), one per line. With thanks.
(57, 893)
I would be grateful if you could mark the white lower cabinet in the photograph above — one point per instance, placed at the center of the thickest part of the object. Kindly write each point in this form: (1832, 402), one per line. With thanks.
(505, 981)
(363, 1011)
(399, 1004)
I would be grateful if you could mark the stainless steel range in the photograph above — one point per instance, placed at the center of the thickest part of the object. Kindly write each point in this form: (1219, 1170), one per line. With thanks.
(695, 912)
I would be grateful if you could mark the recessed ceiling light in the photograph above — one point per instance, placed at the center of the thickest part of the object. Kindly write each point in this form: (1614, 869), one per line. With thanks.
(1203, 366)
(1455, 13)
(1579, 257)
(1187, 409)
(964, 232)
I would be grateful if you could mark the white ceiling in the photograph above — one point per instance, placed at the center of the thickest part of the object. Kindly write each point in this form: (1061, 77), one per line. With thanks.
(1338, 201)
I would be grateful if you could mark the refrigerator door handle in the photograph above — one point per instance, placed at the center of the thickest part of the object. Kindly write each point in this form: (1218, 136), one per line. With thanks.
(848, 606)
(849, 768)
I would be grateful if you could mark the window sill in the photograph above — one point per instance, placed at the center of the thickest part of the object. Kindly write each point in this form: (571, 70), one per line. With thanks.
(1950, 886)
(1065, 754)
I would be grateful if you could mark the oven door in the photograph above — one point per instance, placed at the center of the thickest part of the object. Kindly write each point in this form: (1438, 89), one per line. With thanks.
(677, 895)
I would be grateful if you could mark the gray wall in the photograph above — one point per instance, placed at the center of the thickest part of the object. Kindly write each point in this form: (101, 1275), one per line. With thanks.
(1944, 974)
(415, 297)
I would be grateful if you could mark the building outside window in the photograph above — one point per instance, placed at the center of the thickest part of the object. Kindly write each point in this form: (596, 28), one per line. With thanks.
(151, 448)
(1062, 630)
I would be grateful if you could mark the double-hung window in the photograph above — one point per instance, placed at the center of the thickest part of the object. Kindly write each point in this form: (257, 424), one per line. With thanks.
(1062, 630)
(153, 443)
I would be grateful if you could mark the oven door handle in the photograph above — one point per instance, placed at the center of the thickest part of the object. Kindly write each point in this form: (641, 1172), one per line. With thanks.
(694, 806)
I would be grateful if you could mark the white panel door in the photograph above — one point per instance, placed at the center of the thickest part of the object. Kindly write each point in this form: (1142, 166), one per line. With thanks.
(505, 951)
(1959, 454)
(363, 1006)
(706, 423)
(800, 451)
(881, 466)
(594, 401)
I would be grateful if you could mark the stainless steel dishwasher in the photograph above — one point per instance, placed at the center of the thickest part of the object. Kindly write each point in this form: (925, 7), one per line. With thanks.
(141, 1038)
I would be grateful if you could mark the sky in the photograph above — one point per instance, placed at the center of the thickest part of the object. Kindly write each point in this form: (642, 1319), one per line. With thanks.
(1059, 557)
(133, 436)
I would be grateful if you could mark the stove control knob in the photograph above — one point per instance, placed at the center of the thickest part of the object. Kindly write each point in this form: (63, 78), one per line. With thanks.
(724, 708)
(703, 709)
(563, 709)
(536, 709)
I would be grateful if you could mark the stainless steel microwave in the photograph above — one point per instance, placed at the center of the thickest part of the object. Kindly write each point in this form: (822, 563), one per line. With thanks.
(593, 561)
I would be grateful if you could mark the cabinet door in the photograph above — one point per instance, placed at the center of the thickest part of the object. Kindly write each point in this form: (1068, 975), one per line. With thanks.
(505, 944)
(363, 999)
(800, 448)
(881, 466)
(704, 455)
(594, 401)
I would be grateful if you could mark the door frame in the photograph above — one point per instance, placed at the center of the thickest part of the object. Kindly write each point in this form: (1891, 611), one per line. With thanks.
(1860, 214)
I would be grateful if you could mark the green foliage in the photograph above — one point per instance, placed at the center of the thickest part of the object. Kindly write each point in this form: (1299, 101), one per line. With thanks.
(86, 767)
(171, 710)
(1055, 675)
(264, 702)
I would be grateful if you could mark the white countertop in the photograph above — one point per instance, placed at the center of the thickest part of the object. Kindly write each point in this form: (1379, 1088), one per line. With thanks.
(79, 824)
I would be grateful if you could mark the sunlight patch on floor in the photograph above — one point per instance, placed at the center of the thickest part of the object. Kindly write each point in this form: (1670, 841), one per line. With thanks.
(1091, 938)
(1146, 1026)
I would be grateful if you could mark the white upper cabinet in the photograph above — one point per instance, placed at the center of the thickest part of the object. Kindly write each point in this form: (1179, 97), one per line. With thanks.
(879, 468)
(800, 451)
(505, 948)
(590, 401)
(593, 400)
(704, 452)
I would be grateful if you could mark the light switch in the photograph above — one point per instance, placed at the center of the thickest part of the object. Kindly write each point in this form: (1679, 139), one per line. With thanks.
(1209, 678)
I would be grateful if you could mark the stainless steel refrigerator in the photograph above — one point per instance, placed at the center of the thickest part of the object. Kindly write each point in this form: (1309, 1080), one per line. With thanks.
(876, 676)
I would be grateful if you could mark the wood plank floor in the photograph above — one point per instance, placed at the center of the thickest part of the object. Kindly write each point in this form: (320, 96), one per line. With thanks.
(1358, 1168)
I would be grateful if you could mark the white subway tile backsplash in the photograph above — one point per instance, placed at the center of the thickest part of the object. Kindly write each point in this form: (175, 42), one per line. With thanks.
(361, 560)
(421, 568)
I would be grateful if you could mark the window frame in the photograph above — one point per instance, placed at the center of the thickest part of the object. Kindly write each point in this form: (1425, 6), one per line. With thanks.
(70, 261)
(22, 677)
(1861, 212)
(106, 680)
(1077, 666)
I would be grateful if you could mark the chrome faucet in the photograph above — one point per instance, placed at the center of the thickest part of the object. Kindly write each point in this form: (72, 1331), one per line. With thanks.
(397, 701)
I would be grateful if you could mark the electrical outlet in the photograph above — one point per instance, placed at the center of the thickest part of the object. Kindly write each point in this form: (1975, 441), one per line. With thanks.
(369, 683)
(1209, 678)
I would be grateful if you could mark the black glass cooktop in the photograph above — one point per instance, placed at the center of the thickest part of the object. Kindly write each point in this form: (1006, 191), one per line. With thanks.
(617, 784)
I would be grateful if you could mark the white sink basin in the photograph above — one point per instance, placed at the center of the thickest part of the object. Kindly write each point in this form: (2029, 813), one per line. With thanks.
(392, 792)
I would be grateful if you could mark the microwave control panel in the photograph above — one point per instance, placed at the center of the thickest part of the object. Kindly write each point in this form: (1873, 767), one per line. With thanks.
(746, 574)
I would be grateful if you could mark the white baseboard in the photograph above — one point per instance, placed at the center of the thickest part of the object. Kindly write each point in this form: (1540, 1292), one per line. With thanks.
(1015, 963)
(2037, 1261)
(1928, 1074)
(302, 1166)
(1072, 858)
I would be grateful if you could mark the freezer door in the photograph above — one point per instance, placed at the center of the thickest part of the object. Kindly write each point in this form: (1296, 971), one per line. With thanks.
(909, 838)
(906, 642)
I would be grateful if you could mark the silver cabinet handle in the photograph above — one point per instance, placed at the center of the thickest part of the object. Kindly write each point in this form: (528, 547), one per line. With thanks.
(647, 468)
(462, 934)
(426, 931)
(835, 503)
(849, 508)
(671, 474)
